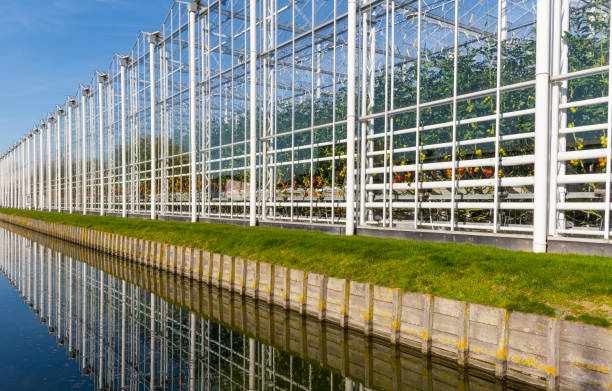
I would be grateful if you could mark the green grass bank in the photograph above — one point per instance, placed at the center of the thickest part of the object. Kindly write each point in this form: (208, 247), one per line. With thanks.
(573, 287)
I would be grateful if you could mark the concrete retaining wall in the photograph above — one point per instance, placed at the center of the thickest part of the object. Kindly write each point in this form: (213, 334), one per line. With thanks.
(535, 349)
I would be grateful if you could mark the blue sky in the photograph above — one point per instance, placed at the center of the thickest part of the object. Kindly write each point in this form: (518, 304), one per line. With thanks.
(50, 46)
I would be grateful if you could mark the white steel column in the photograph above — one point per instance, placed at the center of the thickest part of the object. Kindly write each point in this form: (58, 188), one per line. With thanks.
(49, 192)
(29, 170)
(101, 81)
(253, 113)
(58, 159)
(350, 118)
(69, 130)
(124, 62)
(85, 93)
(22, 172)
(34, 171)
(40, 168)
(542, 126)
(608, 142)
(554, 121)
(153, 39)
(364, 129)
(193, 7)
(13, 187)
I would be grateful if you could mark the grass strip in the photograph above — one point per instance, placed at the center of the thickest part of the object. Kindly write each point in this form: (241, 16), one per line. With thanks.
(575, 287)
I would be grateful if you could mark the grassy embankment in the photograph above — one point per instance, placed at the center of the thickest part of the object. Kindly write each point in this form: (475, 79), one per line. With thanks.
(569, 286)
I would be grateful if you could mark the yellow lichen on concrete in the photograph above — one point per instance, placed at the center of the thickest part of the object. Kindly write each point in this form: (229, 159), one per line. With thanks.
(590, 367)
(530, 362)
(501, 353)
(481, 351)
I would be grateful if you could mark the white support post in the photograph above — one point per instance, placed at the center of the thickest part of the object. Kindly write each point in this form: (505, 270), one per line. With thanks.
(69, 132)
(364, 129)
(608, 145)
(48, 190)
(193, 7)
(13, 176)
(124, 62)
(22, 172)
(101, 81)
(58, 159)
(29, 170)
(350, 118)
(542, 126)
(554, 121)
(85, 94)
(153, 39)
(34, 167)
(253, 113)
(41, 166)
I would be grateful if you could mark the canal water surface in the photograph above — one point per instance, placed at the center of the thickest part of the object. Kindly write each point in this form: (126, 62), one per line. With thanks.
(73, 318)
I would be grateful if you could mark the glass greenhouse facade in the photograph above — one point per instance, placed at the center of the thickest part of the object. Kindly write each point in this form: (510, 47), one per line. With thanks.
(448, 115)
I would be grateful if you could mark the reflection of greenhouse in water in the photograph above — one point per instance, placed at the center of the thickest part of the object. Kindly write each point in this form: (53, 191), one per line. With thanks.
(131, 328)
(422, 114)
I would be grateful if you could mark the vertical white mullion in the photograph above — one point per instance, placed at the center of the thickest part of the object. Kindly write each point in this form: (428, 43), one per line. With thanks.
(153, 38)
(193, 7)
(124, 62)
(110, 140)
(350, 118)
(371, 91)
(220, 112)
(84, 94)
(554, 120)
(542, 126)
(206, 121)
(133, 143)
(292, 181)
(265, 109)
(21, 175)
(333, 162)
(454, 151)
(69, 131)
(500, 37)
(13, 177)
(101, 81)
(564, 67)
(64, 172)
(91, 148)
(418, 120)
(364, 126)
(77, 154)
(312, 94)
(386, 168)
(41, 168)
(28, 170)
(49, 192)
(609, 139)
(232, 34)
(58, 158)
(392, 107)
(253, 113)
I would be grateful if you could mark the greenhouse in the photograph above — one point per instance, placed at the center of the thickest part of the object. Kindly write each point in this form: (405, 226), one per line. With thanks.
(441, 115)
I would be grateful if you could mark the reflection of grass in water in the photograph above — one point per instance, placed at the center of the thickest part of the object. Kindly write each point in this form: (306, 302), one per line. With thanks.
(537, 283)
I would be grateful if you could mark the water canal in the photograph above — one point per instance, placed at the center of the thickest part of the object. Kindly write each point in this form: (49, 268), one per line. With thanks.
(73, 318)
